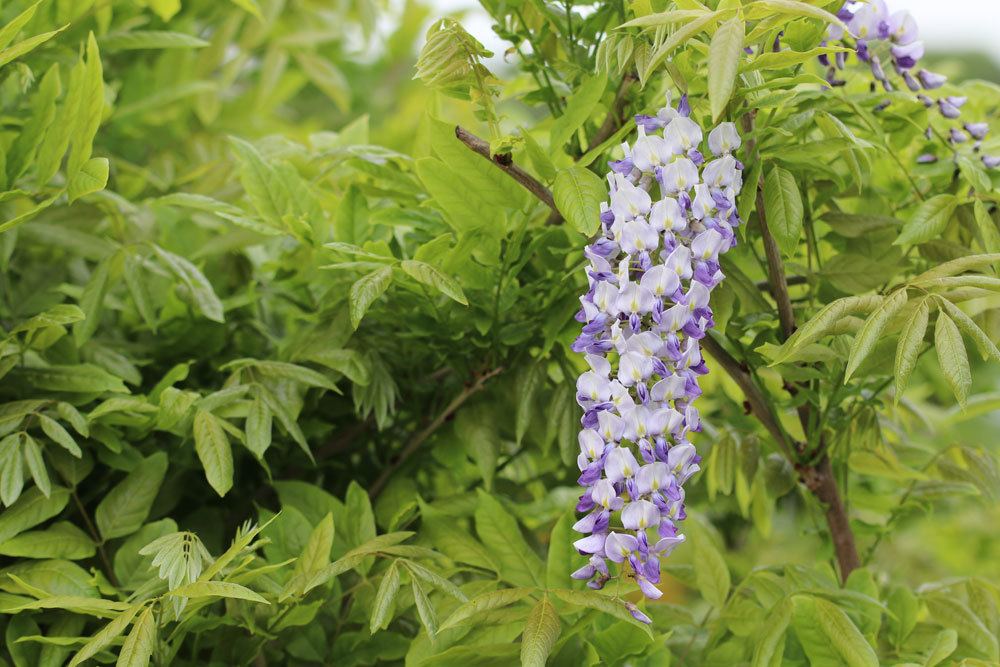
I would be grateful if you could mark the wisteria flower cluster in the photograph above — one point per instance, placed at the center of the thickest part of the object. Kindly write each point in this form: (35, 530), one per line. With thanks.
(887, 42)
(651, 272)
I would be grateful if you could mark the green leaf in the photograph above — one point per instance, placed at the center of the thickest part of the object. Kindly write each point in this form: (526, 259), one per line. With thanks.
(82, 378)
(92, 303)
(987, 228)
(62, 540)
(135, 40)
(613, 606)
(138, 647)
(198, 287)
(771, 60)
(670, 17)
(217, 589)
(106, 635)
(578, 194)
(908, 351)
(844, 636)
(871, 332)
(968, 326)
(31, 509)
(425, 610)
(249, 6)
(822, 322)
(769, 648)
(124, 509)
(10, 31)
(944, 645)
(33, 457)
(532, 378)
(678, 37)
(952, 613)
(354, 558)
(541, 631)
(474, 426)
(11, 468)
(327, 77)
(87, 114)
(561, 555)
(432, 578)
(214, 451)
(929, 220)
(579, 108)
(384, 599)
(29, 214)
(139, 288)
(768, 8)
(59, 435)
(854, 273)
(365, 291)
(77, 604)
(431, 276)
(502, 536)
(711, 572)
(783, 205)
(285, 371)
(724, 55)
(91, 177)
(55, 316)
(258, 427)
(26, 46)
(315, 554)
(465, 210)
(952, 357)
(493, 599)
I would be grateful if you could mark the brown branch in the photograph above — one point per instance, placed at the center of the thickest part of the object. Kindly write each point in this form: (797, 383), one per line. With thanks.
(506, 164)
(820, 481)
(759, 406)
(775, 271)
(614, 120)
(817, 477)
(418, 439)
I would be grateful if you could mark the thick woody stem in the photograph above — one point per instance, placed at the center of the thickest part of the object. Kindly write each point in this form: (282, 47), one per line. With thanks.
(759, 406)
(818, 477)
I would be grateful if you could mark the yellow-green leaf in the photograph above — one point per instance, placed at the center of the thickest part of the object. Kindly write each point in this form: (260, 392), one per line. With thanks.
(723, 60)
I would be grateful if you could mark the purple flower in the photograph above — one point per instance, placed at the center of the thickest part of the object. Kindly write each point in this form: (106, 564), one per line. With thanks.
(977, 130)
(948, 109)
(930, 80)
(669, 217)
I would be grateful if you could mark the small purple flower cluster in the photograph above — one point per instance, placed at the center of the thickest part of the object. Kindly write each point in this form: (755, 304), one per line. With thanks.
(879, 38)
(651, 272)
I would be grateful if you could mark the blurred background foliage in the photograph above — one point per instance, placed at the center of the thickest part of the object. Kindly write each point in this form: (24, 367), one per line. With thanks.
(246, 266)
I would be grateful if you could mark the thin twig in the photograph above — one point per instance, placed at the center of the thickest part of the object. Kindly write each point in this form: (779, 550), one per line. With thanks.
(506, 164)
(614, 120)
(414, 444)
(97, 539)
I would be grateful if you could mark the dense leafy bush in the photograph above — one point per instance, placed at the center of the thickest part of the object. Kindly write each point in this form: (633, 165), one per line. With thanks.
(287, 360)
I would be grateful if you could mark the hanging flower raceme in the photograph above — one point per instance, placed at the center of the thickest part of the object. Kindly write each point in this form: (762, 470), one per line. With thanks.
(651, 272)
(887, 42)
